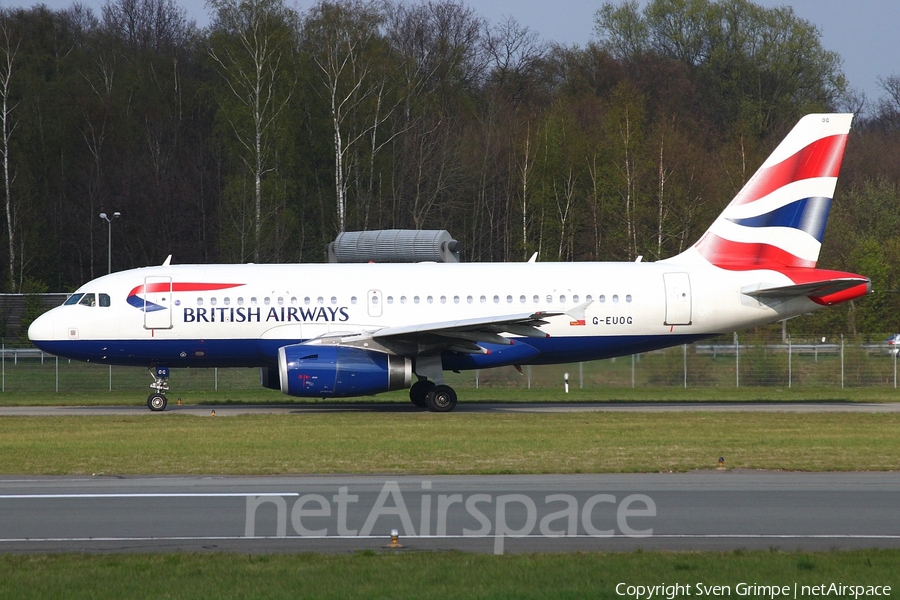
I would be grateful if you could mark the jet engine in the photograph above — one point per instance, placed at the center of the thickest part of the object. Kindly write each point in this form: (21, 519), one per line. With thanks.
(338, 371)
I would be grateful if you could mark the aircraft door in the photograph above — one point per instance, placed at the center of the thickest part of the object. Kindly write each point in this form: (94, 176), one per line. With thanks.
(157, 302)
(374, 301)
(678, 298)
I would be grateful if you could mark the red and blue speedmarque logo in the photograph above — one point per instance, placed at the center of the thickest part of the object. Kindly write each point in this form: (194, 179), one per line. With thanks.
(136, 300)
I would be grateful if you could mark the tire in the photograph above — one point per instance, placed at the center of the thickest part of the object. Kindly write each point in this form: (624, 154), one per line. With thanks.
(441, 399)
(157, 402)
(418, 393)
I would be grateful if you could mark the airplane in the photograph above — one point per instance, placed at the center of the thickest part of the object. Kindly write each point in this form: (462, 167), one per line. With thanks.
(344, 330)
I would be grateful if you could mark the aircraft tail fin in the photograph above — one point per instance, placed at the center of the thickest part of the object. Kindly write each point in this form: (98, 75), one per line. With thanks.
(778, 218)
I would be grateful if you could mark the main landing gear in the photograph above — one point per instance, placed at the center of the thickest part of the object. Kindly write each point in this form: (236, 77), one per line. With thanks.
(436, 398)
(157, 401)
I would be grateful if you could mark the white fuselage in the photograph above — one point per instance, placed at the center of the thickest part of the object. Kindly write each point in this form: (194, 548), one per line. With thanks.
(230, 315)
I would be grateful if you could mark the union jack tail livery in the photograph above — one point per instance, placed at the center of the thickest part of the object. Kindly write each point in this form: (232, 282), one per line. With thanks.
(777, 220)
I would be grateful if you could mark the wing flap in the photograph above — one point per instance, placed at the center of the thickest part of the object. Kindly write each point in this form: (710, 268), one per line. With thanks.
(478, 329)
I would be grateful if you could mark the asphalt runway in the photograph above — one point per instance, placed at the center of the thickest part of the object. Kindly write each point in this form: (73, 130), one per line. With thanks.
(714, 510)
(468, 407)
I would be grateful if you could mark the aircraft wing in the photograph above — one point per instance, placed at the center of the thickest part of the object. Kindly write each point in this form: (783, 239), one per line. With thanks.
(462, 335)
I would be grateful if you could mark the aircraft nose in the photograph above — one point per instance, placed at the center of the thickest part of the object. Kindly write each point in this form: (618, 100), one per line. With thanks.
(42, 328)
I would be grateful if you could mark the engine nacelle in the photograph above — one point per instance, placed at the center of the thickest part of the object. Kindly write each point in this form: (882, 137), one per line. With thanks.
(337, 371)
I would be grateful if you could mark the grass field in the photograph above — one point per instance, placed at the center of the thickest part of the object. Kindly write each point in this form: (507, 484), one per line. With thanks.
(456, 443)
(430, 575)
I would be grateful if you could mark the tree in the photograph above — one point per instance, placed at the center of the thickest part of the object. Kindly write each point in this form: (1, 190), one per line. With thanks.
(251, 46)
(765, 64)
(340, 38)
(8, 52)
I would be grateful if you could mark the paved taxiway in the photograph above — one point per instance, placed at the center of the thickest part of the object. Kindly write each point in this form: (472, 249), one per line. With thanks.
(702, 510)
(473, 407)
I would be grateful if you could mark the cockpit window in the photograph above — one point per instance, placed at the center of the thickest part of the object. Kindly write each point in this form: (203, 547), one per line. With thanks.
(73, 299)
(104, 299)
(88, 300)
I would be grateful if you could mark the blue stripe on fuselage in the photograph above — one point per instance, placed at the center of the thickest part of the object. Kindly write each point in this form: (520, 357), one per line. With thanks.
(264, 353)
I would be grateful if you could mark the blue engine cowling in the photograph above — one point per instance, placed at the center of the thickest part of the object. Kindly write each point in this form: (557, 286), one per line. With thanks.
(337, 371)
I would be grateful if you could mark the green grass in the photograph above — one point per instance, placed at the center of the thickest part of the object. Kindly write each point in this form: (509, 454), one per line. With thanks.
(427, 575)
(455, 443)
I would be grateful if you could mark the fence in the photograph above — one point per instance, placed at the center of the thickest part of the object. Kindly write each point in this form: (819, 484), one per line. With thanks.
(742, 361)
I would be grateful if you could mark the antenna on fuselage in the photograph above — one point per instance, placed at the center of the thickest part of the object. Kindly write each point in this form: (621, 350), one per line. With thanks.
(168, 261)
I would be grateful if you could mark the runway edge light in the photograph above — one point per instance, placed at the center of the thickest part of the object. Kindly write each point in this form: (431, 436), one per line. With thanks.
(395, 539)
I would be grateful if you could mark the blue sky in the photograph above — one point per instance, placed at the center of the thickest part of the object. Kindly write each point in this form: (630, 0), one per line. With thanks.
(863, 32)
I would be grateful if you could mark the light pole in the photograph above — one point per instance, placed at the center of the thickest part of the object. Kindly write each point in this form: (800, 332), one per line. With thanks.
(109, 221)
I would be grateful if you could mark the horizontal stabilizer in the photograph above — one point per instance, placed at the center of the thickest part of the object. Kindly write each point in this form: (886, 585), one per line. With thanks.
(815, 289)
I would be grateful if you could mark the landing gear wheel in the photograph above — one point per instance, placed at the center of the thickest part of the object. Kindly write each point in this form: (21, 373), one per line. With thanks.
(418, 393)
(157, 402)
(441, 399)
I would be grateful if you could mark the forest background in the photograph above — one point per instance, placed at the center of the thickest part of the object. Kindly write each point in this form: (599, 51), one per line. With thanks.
(263, 135)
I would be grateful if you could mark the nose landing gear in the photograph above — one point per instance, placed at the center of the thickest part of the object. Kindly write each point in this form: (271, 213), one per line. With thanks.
(157, 401)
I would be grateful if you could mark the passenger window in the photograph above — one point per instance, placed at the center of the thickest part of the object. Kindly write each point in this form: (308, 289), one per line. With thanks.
(522, 299)
(199, 301)
(240, 300)
(212, 301)
(628, 298)
(104, 299)
(575, 298)
(601, 298)
(226, 300)
(352, 299)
